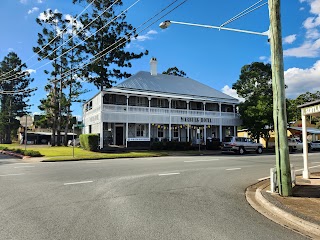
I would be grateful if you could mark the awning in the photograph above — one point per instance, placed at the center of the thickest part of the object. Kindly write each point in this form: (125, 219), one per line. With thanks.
(309, 130)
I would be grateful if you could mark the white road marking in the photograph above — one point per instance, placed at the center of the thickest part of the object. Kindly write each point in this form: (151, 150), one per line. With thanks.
(168, 174)
(73, 183)
(92, 162)
(232, 169)
(13, 174)
(24, 167)
(21, 163)
(192, 161)
(261, 179)
(308, 167)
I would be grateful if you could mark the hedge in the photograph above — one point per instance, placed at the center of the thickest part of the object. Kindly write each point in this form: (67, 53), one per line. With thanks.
(179, 146)
(30, 153)
(89, 142)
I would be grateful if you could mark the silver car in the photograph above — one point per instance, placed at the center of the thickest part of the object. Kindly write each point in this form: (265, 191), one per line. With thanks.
(240, 145)
(315, 145)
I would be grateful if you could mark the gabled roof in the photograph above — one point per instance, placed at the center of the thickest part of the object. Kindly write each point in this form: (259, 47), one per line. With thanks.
(163, 83)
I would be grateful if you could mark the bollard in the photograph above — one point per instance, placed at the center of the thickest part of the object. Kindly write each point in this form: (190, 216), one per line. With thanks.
(273, 180)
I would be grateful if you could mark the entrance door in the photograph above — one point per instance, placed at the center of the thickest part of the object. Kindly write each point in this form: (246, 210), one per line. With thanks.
(119, 135)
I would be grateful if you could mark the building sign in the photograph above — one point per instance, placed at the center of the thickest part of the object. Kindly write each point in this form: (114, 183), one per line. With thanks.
(195, 120)
(138, 139)
(311, 110)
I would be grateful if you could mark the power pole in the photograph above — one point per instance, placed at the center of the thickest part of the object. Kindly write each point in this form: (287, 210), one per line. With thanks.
(279, 101)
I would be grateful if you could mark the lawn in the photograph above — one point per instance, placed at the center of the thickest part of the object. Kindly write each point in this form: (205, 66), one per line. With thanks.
(66, 153)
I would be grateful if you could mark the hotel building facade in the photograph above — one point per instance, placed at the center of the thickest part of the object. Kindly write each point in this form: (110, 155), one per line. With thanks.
(151, 107)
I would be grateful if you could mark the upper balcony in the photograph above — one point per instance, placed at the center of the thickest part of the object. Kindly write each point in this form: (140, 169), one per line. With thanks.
(160, 106)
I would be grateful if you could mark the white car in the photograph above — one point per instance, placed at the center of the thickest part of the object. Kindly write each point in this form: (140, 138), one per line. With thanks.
(315, 145)
(240, 145)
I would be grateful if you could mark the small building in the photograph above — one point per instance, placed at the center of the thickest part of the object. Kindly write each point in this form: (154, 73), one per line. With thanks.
(151, 107)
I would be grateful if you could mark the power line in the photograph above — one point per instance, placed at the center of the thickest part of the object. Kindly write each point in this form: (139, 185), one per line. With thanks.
(18, 91)
(49, 42)
(127, 38)
(244, 12)
(107, 24)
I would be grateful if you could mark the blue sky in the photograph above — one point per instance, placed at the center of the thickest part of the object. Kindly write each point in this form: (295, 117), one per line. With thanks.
(210, 56)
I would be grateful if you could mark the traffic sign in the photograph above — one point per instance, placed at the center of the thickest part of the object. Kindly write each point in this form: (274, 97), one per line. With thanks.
(26, 121)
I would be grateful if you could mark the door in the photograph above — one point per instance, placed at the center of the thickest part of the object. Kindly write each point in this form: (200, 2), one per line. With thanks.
(119, 135)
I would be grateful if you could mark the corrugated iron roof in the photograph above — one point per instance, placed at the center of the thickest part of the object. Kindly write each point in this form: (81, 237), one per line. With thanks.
(164, 83)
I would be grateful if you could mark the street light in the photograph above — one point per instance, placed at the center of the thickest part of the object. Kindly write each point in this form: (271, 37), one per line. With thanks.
(167, 23)
(279, 101)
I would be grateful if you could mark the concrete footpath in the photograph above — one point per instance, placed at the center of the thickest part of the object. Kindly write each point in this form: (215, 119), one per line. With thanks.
(300, 213)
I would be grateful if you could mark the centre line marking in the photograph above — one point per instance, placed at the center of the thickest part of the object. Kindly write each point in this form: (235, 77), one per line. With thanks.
(24, 167)
(192, 161)
(168, 174)
(232, 169)
(73, 183)
(13, 174)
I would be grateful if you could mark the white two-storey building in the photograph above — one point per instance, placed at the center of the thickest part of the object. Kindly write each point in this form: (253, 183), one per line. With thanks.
(150, 107)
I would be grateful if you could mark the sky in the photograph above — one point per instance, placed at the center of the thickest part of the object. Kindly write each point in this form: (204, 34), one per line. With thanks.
(209, 56)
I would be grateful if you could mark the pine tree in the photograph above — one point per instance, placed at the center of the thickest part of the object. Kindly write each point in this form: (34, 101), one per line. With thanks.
(105, 71)
(13, 105)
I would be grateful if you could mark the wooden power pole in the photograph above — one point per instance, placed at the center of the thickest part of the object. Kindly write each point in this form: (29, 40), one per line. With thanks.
(279, 101)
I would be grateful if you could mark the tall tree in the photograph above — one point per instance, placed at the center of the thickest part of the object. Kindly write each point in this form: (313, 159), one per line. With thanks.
(13, 105)
(103, 72)
(255, 86)
(59, 43)
(175, 71)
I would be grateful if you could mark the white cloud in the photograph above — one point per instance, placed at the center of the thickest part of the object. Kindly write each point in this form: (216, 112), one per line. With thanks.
(231, 92)
(315, 6)
(300, 81)
(30, 71)
(24, 1)
(290, 39)
(262, 58)
(301, 9)
(46, 14)
(34, 9)
(10, 49)
(40, 1)
(147, 36)
(308, 49)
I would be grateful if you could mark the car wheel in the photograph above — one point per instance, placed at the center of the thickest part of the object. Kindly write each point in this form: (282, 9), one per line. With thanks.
(241, 151)
(259, 150)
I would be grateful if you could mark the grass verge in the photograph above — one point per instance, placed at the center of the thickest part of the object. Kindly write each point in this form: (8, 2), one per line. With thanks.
(66, 153)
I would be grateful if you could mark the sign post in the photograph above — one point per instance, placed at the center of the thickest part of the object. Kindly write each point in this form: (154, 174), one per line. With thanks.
(26, 121)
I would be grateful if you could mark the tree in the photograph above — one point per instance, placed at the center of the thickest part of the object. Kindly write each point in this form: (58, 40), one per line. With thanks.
(175, 71)
(294, 113)
(13, 105)
(59, 42)
(103, 72)
(255, 86)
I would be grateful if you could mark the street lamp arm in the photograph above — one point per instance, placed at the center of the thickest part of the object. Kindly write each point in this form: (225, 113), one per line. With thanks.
(167, 23)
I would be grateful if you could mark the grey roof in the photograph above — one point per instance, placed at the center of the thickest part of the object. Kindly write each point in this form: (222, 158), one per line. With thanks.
(309, 104)
(164, 83)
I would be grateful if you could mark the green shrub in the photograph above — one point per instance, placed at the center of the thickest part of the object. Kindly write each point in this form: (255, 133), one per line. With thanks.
(89, 142)
(31, 153)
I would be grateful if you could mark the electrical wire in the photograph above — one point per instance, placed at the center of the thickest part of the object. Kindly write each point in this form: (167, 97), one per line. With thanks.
(50, 41)
(18, 91)
(107, 24)
(95, 58)
(244, 12)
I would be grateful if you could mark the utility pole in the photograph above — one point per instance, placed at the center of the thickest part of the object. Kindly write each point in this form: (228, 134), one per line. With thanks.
(279, 101)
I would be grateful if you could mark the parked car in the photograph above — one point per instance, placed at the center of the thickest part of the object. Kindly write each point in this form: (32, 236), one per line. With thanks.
(293, 145)
(315, 145)
(240, 145)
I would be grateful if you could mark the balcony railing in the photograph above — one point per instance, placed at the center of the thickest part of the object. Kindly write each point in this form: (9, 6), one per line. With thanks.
(166, 111)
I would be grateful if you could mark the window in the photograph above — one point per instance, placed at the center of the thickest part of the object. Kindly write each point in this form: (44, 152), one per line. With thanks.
(90, 128)
(176, 132)
(140, 130)
(160, 133)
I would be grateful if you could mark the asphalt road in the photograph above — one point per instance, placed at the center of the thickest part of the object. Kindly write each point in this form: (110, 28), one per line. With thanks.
(200, 197)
